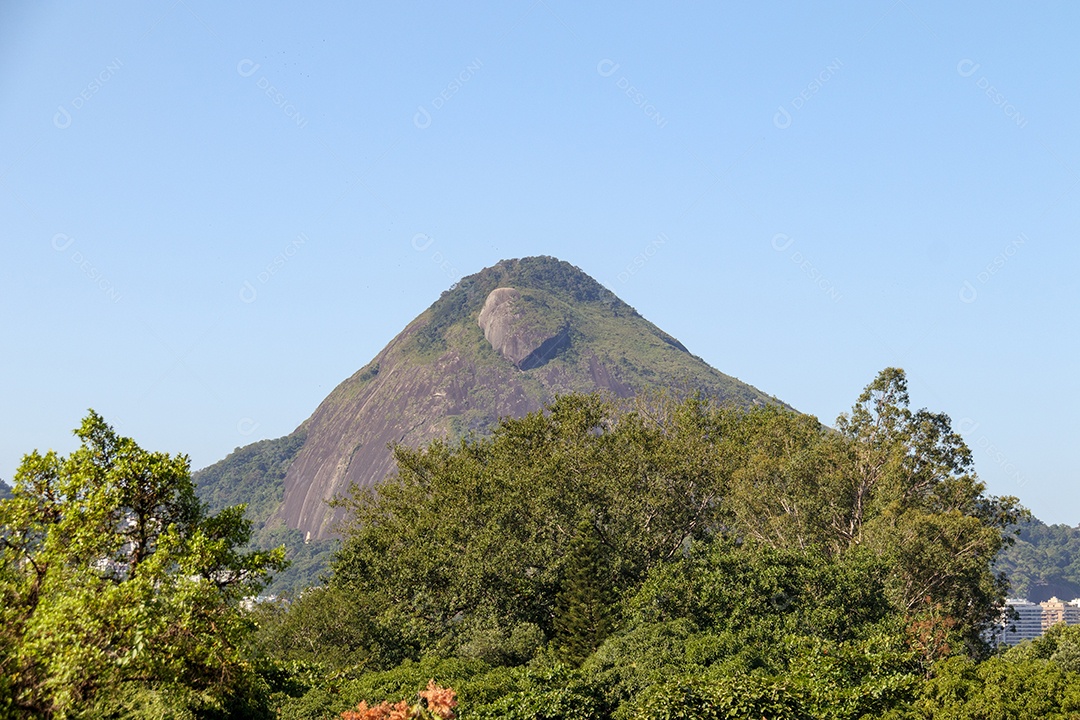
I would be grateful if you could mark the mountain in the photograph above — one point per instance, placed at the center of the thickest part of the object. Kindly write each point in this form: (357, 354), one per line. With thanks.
(502, 342)
(1044, 561)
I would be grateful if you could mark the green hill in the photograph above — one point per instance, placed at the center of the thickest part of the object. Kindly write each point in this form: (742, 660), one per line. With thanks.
(1044, 562)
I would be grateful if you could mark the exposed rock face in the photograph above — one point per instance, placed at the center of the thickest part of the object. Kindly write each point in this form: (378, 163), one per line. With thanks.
(350, 434)
(528, 340)
(502, 343)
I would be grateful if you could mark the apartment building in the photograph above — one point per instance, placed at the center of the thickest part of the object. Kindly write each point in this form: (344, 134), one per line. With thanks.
(1030, 620)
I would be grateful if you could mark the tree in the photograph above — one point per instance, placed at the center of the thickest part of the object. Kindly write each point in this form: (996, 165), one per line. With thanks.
(472, 540)
(586, 603)
(1060, 644)
(783, 477)
(119, 591)
(1004, 687)
(913, 499)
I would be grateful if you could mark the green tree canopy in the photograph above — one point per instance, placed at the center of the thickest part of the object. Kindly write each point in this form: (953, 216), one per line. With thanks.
(477, 537)
(492, 538)
(673, 559)
(118, 591)
(915, 500)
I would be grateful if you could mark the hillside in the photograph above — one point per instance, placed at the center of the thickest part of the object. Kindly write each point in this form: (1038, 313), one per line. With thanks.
(254, 475)
(1044, 562)
(502, 342)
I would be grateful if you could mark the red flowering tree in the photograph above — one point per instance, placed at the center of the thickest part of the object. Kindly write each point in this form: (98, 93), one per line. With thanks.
(434, 703)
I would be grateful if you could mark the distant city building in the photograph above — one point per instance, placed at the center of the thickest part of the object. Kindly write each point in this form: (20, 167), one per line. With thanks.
(1028, 620)
(1025, 625)
(1055, 611)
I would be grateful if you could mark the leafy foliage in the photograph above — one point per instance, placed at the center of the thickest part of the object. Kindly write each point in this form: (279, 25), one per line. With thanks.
(640, 560)
(911, 496)
(477, 538)
(1032, 680)
(685, 559)
(120, 594)
(787, 623)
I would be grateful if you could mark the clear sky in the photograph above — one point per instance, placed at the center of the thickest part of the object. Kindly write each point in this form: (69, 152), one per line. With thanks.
(212, 213)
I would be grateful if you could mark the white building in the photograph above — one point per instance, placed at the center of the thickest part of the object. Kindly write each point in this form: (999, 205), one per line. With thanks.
(1025, 620)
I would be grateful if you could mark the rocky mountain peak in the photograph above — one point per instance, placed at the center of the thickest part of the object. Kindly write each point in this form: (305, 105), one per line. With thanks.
(500, 343)
(524, 329)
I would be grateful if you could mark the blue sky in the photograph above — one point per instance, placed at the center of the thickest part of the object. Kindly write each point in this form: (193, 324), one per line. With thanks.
(214, 214)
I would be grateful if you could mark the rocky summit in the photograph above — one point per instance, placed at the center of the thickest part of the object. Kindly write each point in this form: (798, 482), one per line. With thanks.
(502, 342)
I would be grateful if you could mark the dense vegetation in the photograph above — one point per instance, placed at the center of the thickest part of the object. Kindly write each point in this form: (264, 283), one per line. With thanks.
(120, 595)
(654, 559)
(1044, 562)
(669, 560)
